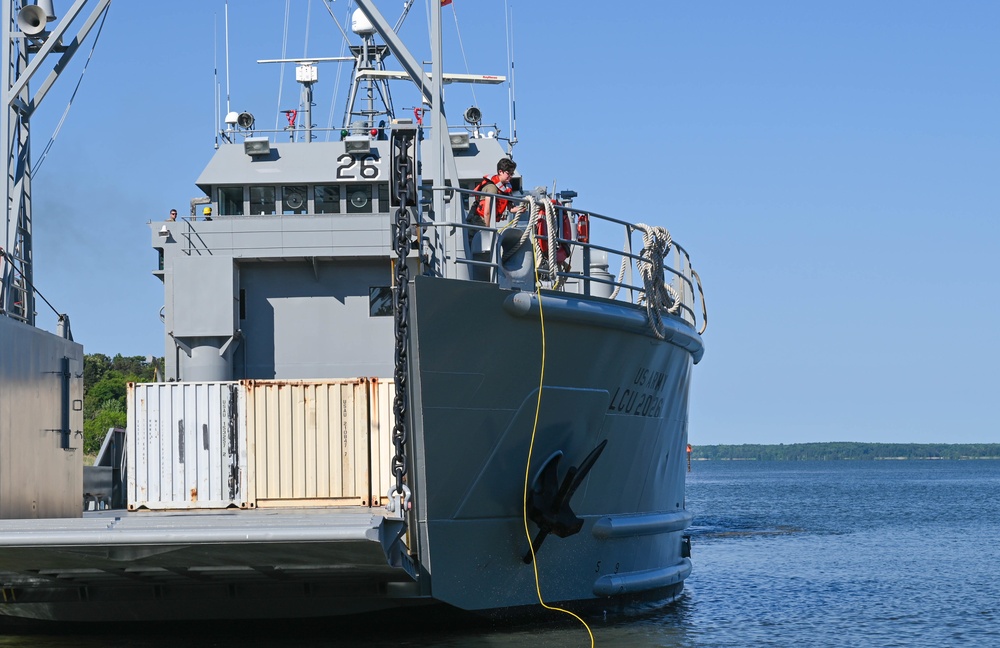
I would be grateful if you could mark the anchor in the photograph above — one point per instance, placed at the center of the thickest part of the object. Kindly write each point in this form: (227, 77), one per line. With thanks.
(548, 501)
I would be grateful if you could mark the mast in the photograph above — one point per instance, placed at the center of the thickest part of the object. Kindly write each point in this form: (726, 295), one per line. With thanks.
(28, 43)
(437, 144)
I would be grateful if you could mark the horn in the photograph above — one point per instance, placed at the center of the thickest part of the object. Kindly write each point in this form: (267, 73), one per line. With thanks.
(31, 20)
(50, 13)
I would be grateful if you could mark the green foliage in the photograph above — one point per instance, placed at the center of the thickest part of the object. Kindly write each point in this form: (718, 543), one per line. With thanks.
(105, 393)
(111, 414)
(111, 387)
(94, 367)
(847, 450)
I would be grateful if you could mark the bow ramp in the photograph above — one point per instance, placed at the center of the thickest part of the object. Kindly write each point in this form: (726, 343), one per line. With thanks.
(199, 564)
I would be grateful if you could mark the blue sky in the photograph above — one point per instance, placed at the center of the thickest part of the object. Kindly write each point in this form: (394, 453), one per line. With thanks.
(831, 167)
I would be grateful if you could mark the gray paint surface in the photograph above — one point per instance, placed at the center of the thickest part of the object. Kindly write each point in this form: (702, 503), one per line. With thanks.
(312, 321)
(38, 478)
(474, 417)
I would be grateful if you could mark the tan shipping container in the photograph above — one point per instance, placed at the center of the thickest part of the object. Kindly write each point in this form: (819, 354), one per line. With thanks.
(317, 443)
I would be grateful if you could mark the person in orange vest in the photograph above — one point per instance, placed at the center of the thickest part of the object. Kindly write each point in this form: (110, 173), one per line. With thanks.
(498, 185)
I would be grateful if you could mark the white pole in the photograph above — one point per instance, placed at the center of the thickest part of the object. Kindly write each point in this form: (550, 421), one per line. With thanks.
(227, 57)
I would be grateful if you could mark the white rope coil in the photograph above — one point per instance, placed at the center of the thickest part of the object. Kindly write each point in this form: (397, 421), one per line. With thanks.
(536, 206)
(659, 296)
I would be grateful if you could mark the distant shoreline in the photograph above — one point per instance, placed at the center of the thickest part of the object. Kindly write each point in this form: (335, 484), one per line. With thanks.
(844, 450)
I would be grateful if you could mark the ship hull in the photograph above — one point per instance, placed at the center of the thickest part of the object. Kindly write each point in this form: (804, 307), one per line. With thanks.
(475, 374)
(479, 371)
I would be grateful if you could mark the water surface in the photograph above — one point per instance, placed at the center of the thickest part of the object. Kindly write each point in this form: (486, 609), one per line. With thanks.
(838, 553)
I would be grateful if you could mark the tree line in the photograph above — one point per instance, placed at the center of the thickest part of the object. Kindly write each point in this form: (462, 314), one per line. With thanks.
(846, 450)
(105, 393)
(105, 406)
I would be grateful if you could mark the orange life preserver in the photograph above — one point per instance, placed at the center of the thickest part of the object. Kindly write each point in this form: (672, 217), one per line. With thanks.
(541, 233)
(503, 189)
(583, 228)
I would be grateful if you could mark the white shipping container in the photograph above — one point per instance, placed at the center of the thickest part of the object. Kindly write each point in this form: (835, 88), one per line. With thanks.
(186, 446)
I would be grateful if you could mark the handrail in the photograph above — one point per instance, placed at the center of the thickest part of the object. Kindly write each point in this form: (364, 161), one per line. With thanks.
(581, 269)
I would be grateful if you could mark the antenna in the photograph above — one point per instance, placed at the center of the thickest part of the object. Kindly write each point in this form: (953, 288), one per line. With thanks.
(227, 57)
(215, 71)
(510, 88)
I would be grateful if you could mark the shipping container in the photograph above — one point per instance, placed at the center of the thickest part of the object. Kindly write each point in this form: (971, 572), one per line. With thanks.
(260, 443)
(381, 393)
(186, 446)
(309, 442)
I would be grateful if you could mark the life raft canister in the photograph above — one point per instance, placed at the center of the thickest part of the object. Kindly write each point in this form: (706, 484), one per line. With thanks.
(541, 234)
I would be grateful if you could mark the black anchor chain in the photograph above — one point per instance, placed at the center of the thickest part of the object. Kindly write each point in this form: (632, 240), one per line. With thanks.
(404, 170)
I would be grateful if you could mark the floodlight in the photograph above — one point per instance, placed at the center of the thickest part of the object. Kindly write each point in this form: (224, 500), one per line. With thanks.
(473, 115)
(459, 141)
(355, 144)
(256, 146)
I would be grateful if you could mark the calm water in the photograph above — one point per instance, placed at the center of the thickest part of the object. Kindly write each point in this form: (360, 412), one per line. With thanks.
(847, 553)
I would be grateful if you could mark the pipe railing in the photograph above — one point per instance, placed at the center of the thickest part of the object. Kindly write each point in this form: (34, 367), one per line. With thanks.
(679, 273)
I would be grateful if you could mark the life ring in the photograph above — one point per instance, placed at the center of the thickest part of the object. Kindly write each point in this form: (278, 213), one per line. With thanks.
(541, 235)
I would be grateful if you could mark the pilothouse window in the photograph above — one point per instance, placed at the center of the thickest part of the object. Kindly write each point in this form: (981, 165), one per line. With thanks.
(359, 199)
(327, 199)
(383, 198)
(293, 200)
(261, 201)
(230, 201)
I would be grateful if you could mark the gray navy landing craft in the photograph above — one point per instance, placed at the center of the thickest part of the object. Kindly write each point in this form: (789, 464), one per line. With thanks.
(368, 402)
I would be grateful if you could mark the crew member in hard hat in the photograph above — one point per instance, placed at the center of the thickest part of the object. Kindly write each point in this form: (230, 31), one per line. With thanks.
(207, 213)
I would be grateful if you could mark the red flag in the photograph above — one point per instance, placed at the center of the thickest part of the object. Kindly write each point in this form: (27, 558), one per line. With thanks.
(445, 3)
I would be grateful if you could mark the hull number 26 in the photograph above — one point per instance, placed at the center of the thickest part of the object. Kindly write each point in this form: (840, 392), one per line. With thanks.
(352, 168)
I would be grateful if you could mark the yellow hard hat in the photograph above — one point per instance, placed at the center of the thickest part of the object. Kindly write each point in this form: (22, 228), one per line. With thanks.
(207, 210)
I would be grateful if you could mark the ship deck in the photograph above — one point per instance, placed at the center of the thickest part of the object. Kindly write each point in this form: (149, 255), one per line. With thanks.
(201, 562)
(119, 527)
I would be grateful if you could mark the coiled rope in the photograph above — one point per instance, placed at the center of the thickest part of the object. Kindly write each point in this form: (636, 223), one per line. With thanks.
(659, 296)
(536, 206)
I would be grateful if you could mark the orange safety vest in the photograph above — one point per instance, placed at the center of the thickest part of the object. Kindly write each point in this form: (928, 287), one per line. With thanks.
(503, 189)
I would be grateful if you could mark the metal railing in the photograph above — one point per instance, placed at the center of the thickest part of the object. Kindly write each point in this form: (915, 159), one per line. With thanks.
(588, 267)
(592, 268)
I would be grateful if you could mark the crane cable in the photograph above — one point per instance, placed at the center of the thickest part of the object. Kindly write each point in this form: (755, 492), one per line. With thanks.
(527, 467)
(344, 45)
(461, 46)
(62, 120)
